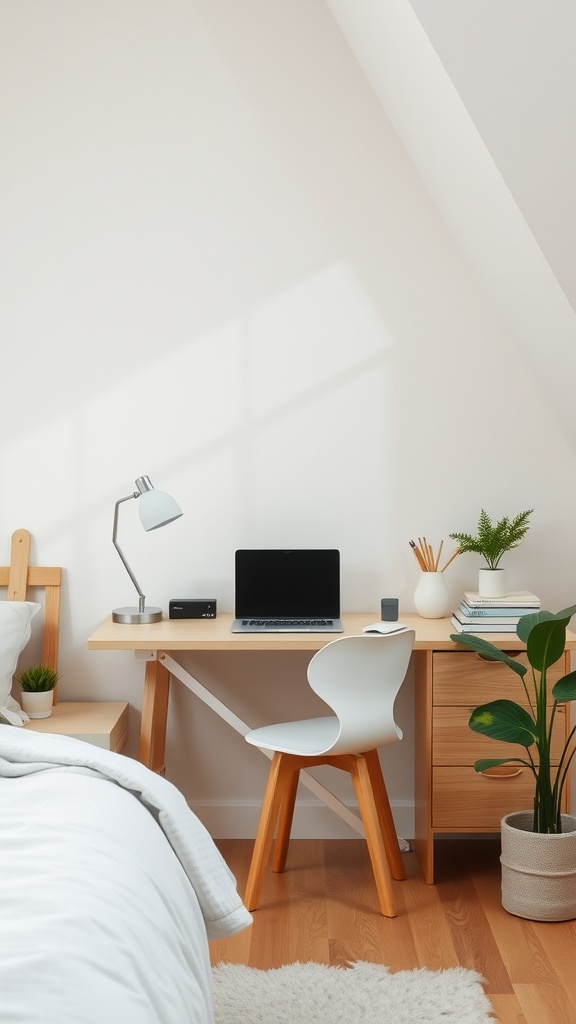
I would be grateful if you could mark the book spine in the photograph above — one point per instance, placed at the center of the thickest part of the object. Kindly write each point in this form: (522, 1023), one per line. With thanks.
(483, 627)
(493, 613)
(482, 622)
(501, 602)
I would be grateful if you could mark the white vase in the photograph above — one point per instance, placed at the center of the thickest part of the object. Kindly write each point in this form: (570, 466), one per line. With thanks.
(37, 704)
(492, 583)
(538, 869)
(432, 597)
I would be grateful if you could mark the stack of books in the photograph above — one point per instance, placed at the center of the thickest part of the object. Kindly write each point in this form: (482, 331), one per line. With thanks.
(477, 614)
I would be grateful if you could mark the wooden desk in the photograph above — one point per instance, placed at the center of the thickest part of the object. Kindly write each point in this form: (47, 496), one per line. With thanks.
(158, 644)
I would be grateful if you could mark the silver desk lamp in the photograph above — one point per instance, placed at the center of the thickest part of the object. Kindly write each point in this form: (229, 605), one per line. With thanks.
(156, 508)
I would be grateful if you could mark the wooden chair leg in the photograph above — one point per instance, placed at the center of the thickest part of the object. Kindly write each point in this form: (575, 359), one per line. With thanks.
(265, 834)
(374, 805)
(388, 827)
(374, 839)
(285, 822)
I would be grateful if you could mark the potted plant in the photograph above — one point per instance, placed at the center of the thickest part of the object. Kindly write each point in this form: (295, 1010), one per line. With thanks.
(37, 684)
(538, 845)
(492, 540)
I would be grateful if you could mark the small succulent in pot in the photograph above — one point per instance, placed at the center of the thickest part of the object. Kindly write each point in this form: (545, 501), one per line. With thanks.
(37, 679)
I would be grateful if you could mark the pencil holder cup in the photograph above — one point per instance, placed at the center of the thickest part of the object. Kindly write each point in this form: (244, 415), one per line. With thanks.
(432, 597)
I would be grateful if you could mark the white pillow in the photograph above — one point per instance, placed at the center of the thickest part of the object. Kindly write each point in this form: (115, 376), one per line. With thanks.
(15, 617)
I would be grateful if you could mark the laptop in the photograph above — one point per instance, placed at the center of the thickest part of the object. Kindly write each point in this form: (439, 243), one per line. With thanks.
(287, 591)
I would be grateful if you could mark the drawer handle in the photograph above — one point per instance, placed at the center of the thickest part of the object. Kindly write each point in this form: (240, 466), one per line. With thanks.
(491, 661)
(496, 774)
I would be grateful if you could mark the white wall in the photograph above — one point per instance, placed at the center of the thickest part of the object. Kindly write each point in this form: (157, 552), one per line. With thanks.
(513, 65)
(221, 269)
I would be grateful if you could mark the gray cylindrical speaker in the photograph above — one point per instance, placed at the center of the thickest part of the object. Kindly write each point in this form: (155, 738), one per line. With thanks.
(389, 609)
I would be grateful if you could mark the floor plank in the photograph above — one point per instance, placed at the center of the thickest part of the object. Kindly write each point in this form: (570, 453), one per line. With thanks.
(324, 907)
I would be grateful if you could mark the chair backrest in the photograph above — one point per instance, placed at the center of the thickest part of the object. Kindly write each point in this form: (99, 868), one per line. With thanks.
(359, 678)
(20, 575)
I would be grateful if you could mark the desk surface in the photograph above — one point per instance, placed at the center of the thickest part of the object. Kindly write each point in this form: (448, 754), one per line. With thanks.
(216, 635)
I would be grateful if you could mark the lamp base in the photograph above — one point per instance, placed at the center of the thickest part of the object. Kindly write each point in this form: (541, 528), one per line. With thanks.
(133, 616)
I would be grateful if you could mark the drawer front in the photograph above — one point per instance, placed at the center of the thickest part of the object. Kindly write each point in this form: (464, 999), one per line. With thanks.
(461, 677)
(455, 743)
(465, 799)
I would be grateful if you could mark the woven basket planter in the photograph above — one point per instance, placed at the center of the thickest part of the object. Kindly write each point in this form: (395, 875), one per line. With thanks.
(538, 869)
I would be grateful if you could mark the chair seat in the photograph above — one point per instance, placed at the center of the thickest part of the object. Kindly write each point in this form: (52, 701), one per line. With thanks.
(308, 737)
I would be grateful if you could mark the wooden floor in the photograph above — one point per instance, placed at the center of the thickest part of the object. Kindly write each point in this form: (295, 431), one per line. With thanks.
(323, 908)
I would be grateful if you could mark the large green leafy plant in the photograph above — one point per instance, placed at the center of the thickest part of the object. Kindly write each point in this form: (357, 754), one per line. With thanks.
(492, 540)
(544, 634)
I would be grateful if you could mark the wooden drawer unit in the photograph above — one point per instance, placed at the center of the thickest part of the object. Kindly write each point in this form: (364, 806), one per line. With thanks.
(455, 743)
(462, 677)
(463, 799)
(450, 796)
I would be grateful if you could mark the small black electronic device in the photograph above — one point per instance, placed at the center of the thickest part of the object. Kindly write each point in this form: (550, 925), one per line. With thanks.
(192, 608)
(389, 609)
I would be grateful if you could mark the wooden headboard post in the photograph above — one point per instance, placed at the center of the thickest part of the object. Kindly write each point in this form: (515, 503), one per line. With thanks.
(20, 575)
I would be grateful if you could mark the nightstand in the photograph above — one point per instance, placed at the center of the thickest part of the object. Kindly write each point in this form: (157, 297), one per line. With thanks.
(103, 723)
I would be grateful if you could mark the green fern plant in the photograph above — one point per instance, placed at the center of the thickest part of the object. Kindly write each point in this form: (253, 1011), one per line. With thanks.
(494, 539)
(37, 679)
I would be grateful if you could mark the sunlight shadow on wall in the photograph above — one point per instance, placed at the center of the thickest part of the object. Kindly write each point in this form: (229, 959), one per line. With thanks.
(255, 428)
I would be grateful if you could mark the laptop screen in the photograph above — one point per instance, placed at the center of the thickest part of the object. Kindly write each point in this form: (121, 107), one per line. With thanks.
(282, 583)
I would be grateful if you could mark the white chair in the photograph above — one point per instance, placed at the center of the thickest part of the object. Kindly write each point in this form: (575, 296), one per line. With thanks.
(358, 677)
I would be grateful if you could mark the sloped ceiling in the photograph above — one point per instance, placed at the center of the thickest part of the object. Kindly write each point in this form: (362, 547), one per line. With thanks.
(483, 97)
(513, 66)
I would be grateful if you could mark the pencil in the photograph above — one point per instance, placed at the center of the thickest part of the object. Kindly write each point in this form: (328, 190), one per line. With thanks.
(417, 555)
(429, 556)
(451, 559)
(438, 556)
(422, 549)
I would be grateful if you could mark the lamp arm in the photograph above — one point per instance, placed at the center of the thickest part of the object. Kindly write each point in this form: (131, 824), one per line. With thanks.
(141, 598)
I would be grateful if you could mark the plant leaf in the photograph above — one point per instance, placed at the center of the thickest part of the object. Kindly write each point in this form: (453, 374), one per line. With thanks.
(567, 613)
(488, 650)
(565, 688)
(527, 622)
(545, 642)
(504, 720)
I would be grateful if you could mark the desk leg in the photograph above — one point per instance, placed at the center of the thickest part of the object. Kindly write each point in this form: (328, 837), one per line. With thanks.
(152, 748)
(424, 836)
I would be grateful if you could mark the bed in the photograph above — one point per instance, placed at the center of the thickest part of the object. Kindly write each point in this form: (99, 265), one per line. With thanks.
(110, 889)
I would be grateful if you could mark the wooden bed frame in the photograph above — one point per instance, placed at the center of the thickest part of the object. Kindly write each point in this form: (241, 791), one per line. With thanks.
(102, 722)
(20, 575)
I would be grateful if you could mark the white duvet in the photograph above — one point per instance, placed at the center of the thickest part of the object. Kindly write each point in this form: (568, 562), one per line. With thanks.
(109, 890)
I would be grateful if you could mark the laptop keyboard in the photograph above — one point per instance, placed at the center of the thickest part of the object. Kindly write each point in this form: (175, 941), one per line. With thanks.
(274, 623)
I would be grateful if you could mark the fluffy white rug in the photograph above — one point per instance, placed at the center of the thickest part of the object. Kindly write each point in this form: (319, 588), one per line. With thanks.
(364, 993)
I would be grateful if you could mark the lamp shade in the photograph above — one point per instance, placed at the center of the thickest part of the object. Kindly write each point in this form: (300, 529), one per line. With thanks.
(157, 508)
